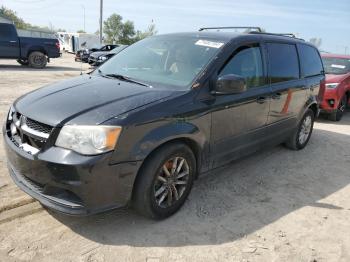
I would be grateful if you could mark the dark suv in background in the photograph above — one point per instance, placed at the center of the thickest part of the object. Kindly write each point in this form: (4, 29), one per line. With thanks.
(28, 51)
(146, 123)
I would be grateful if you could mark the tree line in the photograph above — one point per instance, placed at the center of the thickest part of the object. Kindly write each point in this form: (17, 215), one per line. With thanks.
(115, 30)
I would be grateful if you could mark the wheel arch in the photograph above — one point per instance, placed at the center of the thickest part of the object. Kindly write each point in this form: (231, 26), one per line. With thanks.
(192, 144)
(36, 49)
(312, 103)
(347, 93)
(314, 108)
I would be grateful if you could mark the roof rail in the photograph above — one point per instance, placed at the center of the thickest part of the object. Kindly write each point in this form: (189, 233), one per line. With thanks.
(277, 34)
(256, 28)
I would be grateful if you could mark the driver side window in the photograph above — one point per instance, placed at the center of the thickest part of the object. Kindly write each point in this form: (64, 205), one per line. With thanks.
(247, 63)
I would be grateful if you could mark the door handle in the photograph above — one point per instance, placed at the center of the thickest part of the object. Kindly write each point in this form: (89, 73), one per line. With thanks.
(12, 41)
(261, 100)
(276, 96)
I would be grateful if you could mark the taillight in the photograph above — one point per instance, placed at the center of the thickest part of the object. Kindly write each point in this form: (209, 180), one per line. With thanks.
(58, 46)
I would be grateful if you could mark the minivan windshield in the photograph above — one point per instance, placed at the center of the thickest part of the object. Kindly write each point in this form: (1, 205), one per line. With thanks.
(336, 66)
(169, 60)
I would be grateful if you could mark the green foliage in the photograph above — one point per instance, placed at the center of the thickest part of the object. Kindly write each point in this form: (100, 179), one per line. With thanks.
(19, 22)
(81, 31)
(117, 31)
(151, 30)
(11, 15)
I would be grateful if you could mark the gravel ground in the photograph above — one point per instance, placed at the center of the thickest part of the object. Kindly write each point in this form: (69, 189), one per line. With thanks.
(275, 205)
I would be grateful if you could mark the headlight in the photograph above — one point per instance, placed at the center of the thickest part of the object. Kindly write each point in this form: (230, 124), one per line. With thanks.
(89, 140)
(102, 58)
(11, 111)
(332, 85)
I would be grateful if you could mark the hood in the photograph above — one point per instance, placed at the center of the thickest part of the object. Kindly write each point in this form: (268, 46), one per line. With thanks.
(99, 53)
(335, 78)
(88, 100)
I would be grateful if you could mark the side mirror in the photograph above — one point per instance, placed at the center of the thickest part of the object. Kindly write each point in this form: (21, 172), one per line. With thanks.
(230, 84)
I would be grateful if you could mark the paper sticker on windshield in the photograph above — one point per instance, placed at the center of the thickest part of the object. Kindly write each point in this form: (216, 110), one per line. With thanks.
(338, 66)
(209, 43)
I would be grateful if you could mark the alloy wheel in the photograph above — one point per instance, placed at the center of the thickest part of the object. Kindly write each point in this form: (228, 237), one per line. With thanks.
(342, 106)
(171, 182)
(305, 130)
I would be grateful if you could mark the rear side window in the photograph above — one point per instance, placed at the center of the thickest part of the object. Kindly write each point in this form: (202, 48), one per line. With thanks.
(6, 31)
(311, 64)
(246, 62)
(283, 62)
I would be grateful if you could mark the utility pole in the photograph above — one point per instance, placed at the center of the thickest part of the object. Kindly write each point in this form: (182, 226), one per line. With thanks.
(101, 19)
(84, 16)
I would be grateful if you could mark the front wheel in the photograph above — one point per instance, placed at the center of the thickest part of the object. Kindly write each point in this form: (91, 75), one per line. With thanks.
(37, 60)
(301, 136)
(164, 181)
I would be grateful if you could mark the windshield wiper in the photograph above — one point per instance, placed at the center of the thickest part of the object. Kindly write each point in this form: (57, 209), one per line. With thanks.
(126, 79)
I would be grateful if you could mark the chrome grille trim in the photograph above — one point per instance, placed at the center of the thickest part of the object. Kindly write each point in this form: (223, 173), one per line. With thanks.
(28, 134)
(35, 125)
(34, 132)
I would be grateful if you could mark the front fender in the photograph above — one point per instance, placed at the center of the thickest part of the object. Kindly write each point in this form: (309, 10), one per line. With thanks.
(138, 142)
(166, 133)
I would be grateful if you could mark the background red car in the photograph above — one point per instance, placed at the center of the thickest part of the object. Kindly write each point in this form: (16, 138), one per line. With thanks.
(337, 94)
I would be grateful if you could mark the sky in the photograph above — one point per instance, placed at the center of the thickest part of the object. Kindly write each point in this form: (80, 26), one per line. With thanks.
(329, 20)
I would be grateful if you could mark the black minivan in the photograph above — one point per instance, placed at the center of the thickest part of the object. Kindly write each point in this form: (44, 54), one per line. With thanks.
(143, 126)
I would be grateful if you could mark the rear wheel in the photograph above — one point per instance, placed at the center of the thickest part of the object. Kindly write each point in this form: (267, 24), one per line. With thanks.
(337, 115)
(164, 181)
(37, 59)
(23, 62)
(301, 136)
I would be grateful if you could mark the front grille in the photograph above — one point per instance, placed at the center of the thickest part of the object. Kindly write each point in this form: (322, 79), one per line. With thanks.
(35, 125)
(28, 131)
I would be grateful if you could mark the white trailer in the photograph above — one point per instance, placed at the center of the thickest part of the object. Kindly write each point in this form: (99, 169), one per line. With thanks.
(72, 42)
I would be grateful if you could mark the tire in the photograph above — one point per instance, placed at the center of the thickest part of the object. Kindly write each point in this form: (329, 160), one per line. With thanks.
(301, 136)
(337, 115)
(154, 195)
(23, 62)
(37, 60)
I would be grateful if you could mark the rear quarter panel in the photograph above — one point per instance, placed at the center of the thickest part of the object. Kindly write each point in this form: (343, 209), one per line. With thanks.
(44, 45)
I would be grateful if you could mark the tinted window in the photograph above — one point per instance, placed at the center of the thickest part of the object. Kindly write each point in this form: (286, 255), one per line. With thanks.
(6, 31)
(283, 62)
(247, 63)
(310, 61)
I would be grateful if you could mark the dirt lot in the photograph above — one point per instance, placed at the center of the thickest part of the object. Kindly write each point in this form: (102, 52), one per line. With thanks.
(276, 205)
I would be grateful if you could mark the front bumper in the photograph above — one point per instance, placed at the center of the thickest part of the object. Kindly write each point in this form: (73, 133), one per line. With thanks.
(71, 183)
(330, 101)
